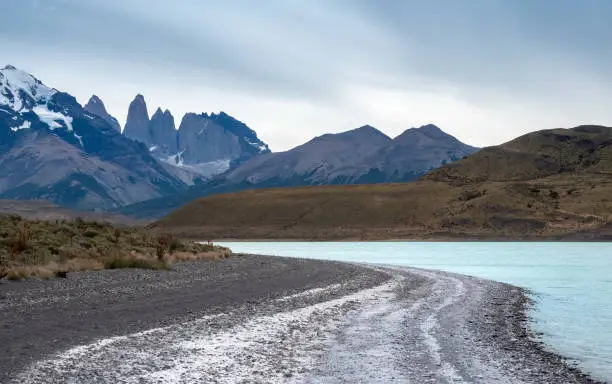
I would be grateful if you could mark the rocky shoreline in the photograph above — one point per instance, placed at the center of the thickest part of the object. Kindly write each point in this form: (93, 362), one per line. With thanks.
(255, 319)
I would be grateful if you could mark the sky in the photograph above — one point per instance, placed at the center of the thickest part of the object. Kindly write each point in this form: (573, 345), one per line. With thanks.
(484, 71)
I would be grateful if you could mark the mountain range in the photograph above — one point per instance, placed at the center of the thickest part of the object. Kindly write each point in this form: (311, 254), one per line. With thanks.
(361, 156)
(550, 184)
(53, 148)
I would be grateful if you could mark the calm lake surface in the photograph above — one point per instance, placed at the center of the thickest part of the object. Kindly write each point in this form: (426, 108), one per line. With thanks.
(571, 282)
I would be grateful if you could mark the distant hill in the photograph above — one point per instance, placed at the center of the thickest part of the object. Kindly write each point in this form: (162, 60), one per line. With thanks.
(44, 210)
(360, 156)
(547, 184)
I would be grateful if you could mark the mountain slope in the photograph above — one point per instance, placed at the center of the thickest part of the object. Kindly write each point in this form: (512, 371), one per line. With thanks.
(415, 152)
(547, 184)
(53, 149)
(320, 161)
(362, 155)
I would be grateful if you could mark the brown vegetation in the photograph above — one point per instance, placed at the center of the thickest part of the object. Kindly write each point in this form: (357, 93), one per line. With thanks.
(546, 184)
(45, 210)
(51, 249)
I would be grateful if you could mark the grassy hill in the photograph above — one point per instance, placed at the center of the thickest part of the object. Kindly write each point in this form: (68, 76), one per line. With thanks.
(546, 184)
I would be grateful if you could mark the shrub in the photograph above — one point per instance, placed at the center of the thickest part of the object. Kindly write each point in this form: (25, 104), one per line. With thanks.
(116, 235)
(163, 246)
(554, 194)
(22, 242)
(176, 245)
(90, 233)
(68, 252)
(471, 194)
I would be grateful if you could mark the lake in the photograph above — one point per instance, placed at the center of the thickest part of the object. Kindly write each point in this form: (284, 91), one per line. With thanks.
(570, 282)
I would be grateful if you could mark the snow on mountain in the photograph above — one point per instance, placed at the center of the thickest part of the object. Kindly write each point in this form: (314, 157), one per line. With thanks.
(206, 169)
(26, 124)
(52, 119)
(22, 91)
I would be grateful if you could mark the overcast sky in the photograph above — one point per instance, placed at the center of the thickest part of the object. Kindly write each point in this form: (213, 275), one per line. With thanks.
(483, 70)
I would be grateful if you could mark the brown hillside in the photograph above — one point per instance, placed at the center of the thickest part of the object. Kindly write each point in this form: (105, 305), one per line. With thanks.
(584, 150)
(45, 210)
(545, 184)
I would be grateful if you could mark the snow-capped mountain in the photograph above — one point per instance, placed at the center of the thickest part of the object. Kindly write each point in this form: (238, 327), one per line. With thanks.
(51, 148)
(21, 91)
(29, 103)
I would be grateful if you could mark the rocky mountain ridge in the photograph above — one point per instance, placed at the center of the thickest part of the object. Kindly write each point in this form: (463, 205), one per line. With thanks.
(52, 148)
(205, 145)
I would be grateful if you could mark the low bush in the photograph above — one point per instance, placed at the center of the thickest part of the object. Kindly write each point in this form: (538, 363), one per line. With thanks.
(471, 194)
(90, 233)
(554, 194)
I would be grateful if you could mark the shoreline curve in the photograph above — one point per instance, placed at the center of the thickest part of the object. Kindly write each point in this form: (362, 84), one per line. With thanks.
(274, 320)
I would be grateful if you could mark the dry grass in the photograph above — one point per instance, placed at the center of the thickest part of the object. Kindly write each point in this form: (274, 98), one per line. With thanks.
(46, 249)
(209, 255)
(51, 269)
(542, 185)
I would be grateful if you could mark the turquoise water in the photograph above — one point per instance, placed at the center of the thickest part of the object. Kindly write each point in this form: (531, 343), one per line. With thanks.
(571, 282)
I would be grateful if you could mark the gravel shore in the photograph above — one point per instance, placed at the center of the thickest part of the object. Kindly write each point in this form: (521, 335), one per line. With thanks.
(256, 319)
